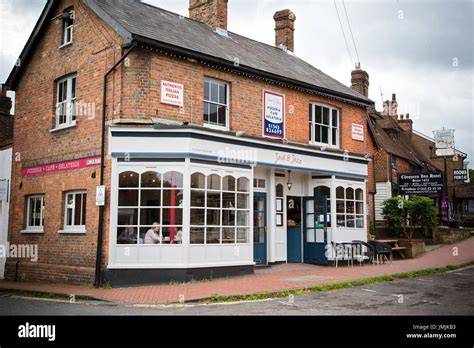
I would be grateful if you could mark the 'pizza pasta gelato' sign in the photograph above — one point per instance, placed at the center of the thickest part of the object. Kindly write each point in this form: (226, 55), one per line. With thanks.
(273, 115)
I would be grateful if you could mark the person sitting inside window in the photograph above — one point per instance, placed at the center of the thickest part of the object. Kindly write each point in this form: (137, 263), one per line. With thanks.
(153, 235)
(178, 238)
(128, 236)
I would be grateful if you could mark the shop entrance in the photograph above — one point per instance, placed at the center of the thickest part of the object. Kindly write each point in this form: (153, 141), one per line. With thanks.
(315, 230)
(260, 228)
(294, 232)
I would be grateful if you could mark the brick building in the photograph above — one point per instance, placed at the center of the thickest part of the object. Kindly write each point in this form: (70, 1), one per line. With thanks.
(220, 152)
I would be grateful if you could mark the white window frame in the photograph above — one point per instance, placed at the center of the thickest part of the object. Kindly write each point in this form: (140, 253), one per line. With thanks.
(330, 126)
(68, 28)
(74, 228)
(227, 106)
(39, 228)
(355, 201)
(69, 103)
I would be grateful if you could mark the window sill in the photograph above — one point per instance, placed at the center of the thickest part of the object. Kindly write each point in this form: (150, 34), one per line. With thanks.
(66, 44)
(328, 146)
(54, 130)
(27, 231)
(73, 231)
(211, 126)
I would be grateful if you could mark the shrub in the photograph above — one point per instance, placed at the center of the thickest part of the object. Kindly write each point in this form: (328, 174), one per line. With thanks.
(422, 213)
(394, 212)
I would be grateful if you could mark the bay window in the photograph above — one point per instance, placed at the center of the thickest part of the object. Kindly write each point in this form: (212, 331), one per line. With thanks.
(323, 125)
(349, 207)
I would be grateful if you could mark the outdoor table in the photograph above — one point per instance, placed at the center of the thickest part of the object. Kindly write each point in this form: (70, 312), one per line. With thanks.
(395, 247)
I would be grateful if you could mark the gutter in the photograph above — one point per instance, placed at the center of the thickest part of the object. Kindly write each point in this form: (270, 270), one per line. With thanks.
(98, 280)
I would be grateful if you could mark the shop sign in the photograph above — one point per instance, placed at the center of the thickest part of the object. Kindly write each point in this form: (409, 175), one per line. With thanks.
(172, 93)
(62, 166)
(460, 175)
(273, 115)
(420, 184)
(357, 132)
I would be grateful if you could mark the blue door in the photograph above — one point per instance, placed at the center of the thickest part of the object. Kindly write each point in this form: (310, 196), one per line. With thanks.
(260, 228)
(315, 230)
(293, 232)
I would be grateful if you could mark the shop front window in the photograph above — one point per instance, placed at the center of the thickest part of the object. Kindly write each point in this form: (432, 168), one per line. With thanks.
(324, 191)
(219, 209)
(350, 207)
(150, 208)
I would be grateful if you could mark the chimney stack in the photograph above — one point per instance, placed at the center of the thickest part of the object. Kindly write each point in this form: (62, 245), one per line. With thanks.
(406, 124)
(284, 29)
(360, 81)
(211, 12)
(390, 107)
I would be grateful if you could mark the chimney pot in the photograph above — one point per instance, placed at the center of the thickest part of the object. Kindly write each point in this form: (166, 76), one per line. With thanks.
(284, 29)
(211, 12)
(394, 97)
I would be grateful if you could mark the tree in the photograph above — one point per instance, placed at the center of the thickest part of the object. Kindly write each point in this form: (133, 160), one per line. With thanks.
(394, 212)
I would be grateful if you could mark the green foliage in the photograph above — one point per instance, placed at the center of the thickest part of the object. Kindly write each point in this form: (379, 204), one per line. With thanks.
(471, 175)
(394, 212)
(422, 213)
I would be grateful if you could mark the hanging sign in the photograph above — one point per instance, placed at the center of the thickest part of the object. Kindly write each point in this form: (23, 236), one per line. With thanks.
(172, 93)
(357, 132)
(444, 142)
(273, 115)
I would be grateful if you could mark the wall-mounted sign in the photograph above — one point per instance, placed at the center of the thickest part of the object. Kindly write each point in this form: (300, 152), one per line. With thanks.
(172, 93)
(444, 142)
(100, 196)
(62, 166)
(460, 175)
(357, 132)
(273, 115)
(420, 184)
(4, 190)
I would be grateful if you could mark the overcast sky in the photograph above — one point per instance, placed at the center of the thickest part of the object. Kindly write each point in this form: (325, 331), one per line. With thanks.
(421, 50)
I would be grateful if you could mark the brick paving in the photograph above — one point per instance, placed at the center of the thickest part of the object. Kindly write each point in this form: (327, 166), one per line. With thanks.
(275, 278)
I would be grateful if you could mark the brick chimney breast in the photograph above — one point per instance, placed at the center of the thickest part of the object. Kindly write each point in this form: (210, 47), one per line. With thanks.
(284, 29)
(211, 12)
(360, 81)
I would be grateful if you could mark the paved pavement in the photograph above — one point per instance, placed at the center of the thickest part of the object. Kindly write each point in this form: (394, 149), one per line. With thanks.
(442, 294)
(276, 278)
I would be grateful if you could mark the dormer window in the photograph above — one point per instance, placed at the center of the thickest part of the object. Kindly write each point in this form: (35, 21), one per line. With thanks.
(68, 25)
(395, 136)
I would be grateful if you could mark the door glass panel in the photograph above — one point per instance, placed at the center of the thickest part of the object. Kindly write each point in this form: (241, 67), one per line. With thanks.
(310, 235)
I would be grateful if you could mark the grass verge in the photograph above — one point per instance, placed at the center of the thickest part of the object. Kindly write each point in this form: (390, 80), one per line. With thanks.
(329, 287)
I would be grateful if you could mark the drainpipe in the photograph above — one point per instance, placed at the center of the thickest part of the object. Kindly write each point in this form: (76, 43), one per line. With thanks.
(97, 281)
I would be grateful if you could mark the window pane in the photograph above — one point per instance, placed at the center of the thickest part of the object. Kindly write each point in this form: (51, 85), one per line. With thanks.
(334, 118)
(173, 179)
(311, 106)
(213, 236)
(207, 90)
(172, 216)
(242, 201)
(213, 199)
(213, 114)
(317, 134)
(197, 217)
(154, 237)
(197, 198)
(228, 218)
(340, 207)
(350, 193)
(150, 198)
(242, 235)
(78, 210)
(127, 217)
(128, 179)
(311, 132)
(214, 92)
(360, 221)
(359, 208)
(350, 207)
(243, 218)
(213, 217)
(73, 88)
(60, 92)
(279, 190)
(223, 94)
(228, 183)
(127, 235)
(243, 184)
(151, 179)
(128, 198)
(341, 220)
(340, 192)
(318, 118)
(197, 235)
(334, 136)
(228, 235)
(325, 135)
(228, 200)
(359, 195)
(206, 112)
(213, 182)
(149, 216)
(172, 198)
(321, 191)
(350, 221)
(198, 180)
(84, 202)
(326, 116)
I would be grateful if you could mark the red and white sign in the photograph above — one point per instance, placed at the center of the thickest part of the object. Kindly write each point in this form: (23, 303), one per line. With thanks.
(357, 132)
(172, 93)
(62, 166)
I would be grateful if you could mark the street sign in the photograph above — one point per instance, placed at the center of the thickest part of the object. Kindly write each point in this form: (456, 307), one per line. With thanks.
(100, 196)
(420, 184)
(460, 175)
